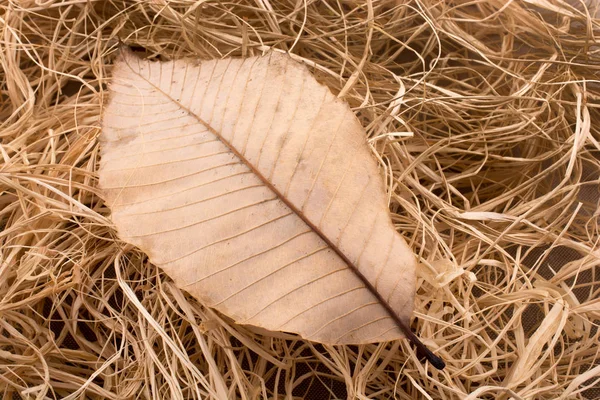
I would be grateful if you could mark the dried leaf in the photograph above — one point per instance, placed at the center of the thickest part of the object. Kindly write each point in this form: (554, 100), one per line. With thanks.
(254, 189)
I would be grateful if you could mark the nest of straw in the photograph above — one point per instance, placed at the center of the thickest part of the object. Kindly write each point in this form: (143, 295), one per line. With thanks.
(484, 116)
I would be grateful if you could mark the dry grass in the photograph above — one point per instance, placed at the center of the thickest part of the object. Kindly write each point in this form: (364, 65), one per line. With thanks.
(485, 116)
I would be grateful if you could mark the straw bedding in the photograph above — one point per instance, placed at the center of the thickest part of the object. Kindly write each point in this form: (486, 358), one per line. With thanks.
(484, 117)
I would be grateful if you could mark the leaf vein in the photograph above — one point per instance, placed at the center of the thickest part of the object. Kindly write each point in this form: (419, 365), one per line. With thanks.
(247, 259)
(262, 89)
(228, 238)
(172, 179)
(145, 153)
(281, 268)
(198, 223)
(295, 290)
(327, 152)
(362, 326)
(340, 317)
(139, 167)
(187, 189)
(192, 203)
(280, 327)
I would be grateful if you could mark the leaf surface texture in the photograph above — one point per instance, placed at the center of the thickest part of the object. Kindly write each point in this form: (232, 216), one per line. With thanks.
(253, 188)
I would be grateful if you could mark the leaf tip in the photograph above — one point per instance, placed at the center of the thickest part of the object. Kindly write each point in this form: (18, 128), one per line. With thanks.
(125, 53)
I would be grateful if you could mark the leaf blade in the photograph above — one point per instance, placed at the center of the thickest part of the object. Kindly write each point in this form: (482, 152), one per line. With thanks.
(302, 155)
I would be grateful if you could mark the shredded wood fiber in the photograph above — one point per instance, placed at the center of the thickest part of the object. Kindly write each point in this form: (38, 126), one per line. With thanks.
(484, 116)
